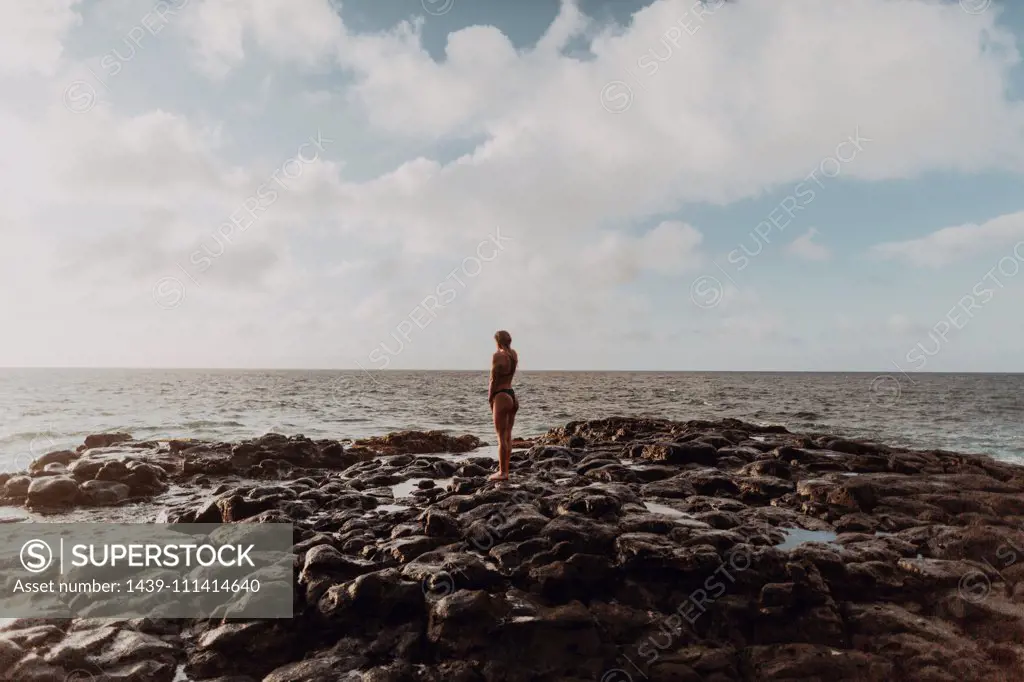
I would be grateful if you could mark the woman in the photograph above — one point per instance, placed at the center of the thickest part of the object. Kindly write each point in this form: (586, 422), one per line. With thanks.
(502, 398)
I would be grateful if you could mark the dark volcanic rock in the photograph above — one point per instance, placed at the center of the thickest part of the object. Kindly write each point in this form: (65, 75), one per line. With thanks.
(700, 550)
(16, 488)
(64, 457)
(681, 453)
(419, 442)
(53, 491)
(104, 493)
(105, 440)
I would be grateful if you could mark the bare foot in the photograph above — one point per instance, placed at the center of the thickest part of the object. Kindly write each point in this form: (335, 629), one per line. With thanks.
(498, 477)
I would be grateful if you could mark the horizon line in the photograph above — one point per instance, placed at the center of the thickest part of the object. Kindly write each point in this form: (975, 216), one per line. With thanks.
(524, 371)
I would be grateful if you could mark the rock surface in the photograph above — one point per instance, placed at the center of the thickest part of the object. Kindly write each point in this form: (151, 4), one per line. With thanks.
(418, 443)
(621, 550)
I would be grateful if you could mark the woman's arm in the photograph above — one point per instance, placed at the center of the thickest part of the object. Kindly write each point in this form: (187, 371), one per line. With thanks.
(496, 363)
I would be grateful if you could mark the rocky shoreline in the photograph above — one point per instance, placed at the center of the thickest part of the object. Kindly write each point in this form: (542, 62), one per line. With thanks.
(622, 550)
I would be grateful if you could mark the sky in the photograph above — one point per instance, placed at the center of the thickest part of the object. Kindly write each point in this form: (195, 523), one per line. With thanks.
(671, 185)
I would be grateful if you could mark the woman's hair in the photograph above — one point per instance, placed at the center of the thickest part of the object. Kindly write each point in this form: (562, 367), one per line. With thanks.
(503, 338)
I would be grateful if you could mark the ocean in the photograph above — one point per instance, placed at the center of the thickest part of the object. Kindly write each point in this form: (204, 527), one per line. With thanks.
(49, 409)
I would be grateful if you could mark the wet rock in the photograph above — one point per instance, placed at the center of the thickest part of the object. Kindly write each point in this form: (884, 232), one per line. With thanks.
(53, 491)
(325, 567)
(763, 488)
(32, 668)
(594, 503)
(238, 508)
(114, 470)
(440, 524)
(104, 493)
(245, 648)
(563, 643)
(776, 468)
(919, 647)
(503, 522)
(10, 653)
(676, 487)
(465, 621)
(419, 442)
(441, 574)
(557, 573)
(63, 457)
(327, 668)
(681, 453)
(578, 577)
(405, 549)
(582, 534)
(851, 447)
(75, 649)
(810, 662)
(381, 595)
(711, 482)
(106, 440)
(33, 636)
(131, 652)
(17, 487)
(857, 523)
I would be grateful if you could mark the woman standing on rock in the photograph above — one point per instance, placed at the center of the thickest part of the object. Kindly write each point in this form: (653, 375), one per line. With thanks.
(502, 398)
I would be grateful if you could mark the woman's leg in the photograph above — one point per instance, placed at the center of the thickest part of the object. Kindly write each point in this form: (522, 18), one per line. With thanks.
(506, 447)
(509, 423)
(500, 411)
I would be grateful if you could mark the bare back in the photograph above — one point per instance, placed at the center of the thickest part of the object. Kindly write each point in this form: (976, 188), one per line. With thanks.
(503, 368)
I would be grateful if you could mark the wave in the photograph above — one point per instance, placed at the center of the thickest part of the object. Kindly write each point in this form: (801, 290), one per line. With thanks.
(231, 405)
(26, 436)
(205, 424)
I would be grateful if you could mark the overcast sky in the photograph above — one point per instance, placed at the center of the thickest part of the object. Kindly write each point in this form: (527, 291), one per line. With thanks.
(761, 185)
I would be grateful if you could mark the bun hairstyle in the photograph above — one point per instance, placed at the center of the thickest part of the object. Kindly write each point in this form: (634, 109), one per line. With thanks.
(503, 338)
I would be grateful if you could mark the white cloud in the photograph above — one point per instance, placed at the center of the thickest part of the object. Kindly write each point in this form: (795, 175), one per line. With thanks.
(670, 248)
(952, 244)
(805, 247)
(304, 32)
(553, 160)
(32, 34)
(112, 199)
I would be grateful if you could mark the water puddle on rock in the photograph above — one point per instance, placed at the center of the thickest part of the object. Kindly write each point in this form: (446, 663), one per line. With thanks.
(798, 536)
(656, 508)
(16, 515)
(391, 508)
(406, 488)
(485, 451)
